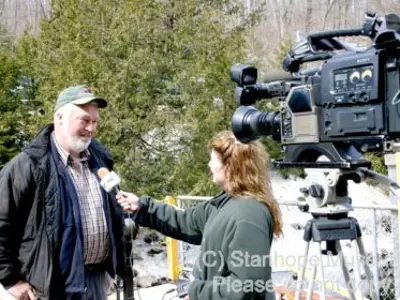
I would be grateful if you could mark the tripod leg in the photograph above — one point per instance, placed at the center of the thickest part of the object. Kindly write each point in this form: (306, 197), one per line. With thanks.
(357, 272)
(345, 270)
(321, 269)
(311, 284)
(366, 269)
(300, 280)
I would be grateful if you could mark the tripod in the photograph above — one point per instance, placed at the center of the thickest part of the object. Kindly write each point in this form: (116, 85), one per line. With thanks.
(330, 205)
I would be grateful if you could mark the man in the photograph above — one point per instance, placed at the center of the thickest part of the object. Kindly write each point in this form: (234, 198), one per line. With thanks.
(60, 232)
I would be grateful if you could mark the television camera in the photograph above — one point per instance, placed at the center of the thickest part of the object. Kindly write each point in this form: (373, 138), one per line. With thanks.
(347, 106)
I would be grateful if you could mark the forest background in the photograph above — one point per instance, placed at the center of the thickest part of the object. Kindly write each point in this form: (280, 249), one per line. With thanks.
(163, 66)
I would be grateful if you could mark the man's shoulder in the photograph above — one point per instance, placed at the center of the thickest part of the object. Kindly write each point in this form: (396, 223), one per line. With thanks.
(21, 161)
(95, 145)
(101, 152)
(21, 158)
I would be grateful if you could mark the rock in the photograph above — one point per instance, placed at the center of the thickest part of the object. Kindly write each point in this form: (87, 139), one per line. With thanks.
(155, 250)
(160, 281)
(386, 223)
(297, 226)
(135, 272)
(151, 237)
(144, 281)
(136, 256)
(149, 258)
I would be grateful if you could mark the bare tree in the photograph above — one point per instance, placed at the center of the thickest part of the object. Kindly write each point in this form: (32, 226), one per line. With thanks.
(308, 15)
(18, 15)
(283, 20)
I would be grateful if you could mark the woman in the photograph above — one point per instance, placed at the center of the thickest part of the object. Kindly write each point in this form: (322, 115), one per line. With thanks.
(235, 228)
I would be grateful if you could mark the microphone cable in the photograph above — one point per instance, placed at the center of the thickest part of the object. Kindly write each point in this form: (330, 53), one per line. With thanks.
(131, 256)
(168, 292)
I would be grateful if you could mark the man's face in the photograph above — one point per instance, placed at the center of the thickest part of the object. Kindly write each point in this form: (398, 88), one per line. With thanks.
(79, 126)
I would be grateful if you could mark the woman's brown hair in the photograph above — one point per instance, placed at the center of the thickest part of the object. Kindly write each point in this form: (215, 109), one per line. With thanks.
(247, 172)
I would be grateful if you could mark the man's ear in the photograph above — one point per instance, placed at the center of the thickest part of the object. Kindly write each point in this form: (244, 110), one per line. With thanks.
(59, 118)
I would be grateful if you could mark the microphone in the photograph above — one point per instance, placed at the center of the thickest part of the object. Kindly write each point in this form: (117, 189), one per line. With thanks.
(109, 180)
(278, 76)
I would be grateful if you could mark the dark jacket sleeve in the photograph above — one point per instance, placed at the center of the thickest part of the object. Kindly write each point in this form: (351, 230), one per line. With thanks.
(186, 225)
(249, 268)
(16, 179)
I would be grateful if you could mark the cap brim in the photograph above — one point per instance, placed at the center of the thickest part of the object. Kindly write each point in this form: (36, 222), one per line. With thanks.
(101, 103)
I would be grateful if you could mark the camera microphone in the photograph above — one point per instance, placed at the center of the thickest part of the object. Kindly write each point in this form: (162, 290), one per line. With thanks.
(278, 76)
(110, 181)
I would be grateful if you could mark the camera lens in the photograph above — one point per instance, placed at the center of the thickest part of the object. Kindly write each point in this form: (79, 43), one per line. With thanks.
(248, 124)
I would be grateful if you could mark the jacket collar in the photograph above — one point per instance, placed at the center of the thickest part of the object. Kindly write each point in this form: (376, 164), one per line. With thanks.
(221, 199)
(65, 157)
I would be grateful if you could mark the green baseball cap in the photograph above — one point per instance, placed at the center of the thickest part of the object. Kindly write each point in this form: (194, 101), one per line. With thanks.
(78, 95)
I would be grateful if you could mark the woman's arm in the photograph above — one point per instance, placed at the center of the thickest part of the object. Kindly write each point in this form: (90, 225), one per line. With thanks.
(186, 225)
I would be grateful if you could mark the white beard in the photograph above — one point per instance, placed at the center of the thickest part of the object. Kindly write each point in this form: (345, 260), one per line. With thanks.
(78, 144)
(75, 143)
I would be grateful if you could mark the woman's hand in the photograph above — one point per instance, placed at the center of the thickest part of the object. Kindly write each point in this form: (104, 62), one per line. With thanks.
(128, 201)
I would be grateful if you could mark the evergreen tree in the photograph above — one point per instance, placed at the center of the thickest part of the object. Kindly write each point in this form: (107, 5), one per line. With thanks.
(164, 68)
(18, 109)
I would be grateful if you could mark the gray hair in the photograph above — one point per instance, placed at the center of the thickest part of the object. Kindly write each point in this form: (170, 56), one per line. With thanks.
(64, 110)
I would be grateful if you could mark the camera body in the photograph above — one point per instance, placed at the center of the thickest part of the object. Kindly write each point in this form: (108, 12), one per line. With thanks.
(348, 106)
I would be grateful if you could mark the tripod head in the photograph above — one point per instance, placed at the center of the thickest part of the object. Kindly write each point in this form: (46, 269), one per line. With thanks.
(326, 191)
(326, 198)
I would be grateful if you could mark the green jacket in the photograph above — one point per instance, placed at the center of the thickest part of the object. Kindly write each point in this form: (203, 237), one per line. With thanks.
(235, 236)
